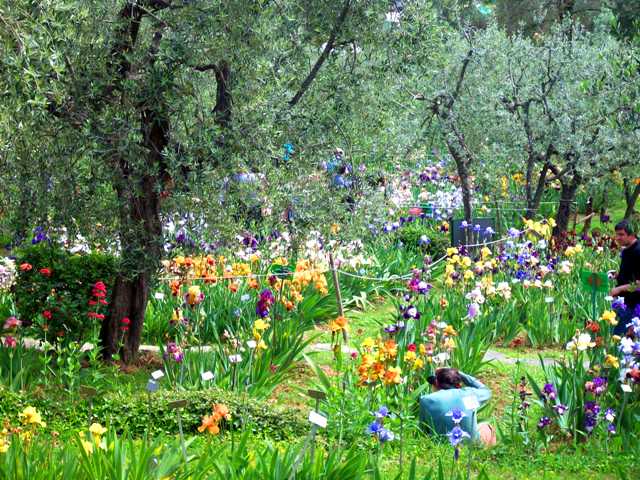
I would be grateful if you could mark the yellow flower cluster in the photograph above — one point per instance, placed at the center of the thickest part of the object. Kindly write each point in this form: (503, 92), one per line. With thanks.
(30, 416)
(609, 316)
(202, 267)
(460, 268)
(542, 228)
(518, 178)
(97, 431)
(259, 326)
(572, 251)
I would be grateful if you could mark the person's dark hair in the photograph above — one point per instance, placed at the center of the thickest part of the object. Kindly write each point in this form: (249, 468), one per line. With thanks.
(626, 226)
(448, 378)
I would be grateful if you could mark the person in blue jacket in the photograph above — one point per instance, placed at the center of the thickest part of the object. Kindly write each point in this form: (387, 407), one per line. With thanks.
(454, 390)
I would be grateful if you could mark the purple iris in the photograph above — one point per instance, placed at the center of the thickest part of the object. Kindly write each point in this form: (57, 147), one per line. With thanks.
(599, 385)
(549, 391)
(382, 412)
(424, 287)
(456, 415)
(385, 435)
(514, 232)
(473, 310)
(457, 435)
(591, 408)
(464, 225)
(609, 414)
(544, 422)
(489, 232)
(477, 228)
(618, 304)
(611, 428)
(560, 409)
(411, 312)
(390, 329)
(374, 428)
(590, 422)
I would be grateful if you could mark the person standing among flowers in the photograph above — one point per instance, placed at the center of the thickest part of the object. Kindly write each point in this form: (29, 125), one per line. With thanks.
(628, 277)
(454, 391)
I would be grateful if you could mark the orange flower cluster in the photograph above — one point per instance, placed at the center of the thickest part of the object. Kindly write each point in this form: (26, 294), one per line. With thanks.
(378, 362)
(211, 423)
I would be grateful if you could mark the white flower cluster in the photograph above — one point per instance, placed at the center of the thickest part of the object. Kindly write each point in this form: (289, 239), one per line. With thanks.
(7, 273)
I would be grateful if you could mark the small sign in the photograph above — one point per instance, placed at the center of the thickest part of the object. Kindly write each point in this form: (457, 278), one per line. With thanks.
(596, 281)
(88, 392)
(251, 344)
(235, 358)
(206, 376)
(152, 386)
(626, 388)
(157, 375)
(471, 402)
(159, 296)
(281, 270)
(177, 404)
(317, 419)
(318, 395)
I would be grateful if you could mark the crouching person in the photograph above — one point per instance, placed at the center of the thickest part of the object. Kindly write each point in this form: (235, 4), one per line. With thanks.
(453, 391)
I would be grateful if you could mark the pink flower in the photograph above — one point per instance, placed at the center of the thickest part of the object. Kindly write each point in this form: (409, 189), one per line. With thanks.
(11, 323)
(10, 342)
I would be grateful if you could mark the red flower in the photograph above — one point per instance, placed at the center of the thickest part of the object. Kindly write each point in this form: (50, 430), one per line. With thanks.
(593, 327)
(99, 290)
(124, 324)
(10, 342)
(412, 347)
(97, 315)
(25, 267)
(45, 271)
(92, 302)
(47, 314)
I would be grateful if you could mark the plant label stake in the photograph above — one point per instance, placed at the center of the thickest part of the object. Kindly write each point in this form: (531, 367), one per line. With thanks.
(152, 386)
(89, 393)
(317, 421)
(594, 282)
(206, 376)
(177, 405)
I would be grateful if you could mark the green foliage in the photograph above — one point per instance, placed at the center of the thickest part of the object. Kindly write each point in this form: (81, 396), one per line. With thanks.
(410, 235)
(64, 292)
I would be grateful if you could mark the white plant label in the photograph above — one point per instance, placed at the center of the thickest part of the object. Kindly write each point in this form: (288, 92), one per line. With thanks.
(235, 358)
(626, 388)
(471, 402)
(206, 376)
(159, 296)
(317, 419)
(252, 344)
(157, 375)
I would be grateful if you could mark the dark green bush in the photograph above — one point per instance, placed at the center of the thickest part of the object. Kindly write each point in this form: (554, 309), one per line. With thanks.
(409, 235)
(64, 292)
(135, 414)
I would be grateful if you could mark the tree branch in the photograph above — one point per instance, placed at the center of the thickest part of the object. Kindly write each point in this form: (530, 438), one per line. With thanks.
(323, 56)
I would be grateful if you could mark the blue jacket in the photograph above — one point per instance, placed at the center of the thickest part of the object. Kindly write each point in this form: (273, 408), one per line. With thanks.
(469, 399)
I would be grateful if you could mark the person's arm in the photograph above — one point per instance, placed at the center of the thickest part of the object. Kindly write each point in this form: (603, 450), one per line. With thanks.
(482, 392)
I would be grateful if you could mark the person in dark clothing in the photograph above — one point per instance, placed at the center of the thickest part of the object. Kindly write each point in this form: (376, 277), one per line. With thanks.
(628, 276)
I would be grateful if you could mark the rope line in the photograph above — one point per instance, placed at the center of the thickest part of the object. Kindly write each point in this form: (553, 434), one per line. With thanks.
(392, 278)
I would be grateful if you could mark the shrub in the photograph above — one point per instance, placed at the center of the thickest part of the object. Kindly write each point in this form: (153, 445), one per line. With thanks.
(54, 280)
(137, 413)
